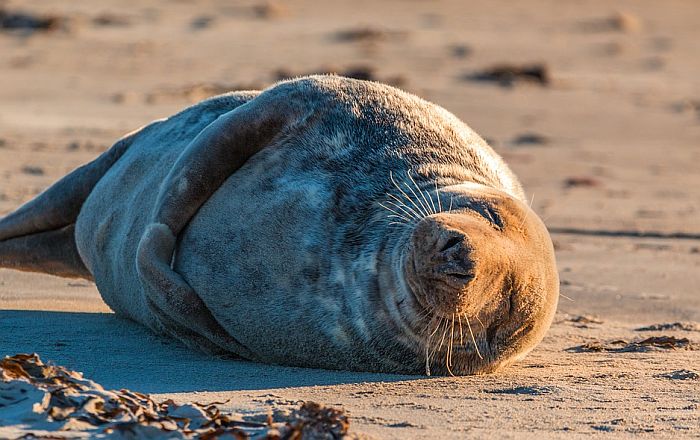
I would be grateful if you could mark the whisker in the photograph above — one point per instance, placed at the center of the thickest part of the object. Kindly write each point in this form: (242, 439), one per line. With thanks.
(473, 339)
(427, 348)
(401, 213)
(437, 194)
(442, 340)
(428, 352)
(393, 211)
(399, 216)
(396, 222)
(432, 203)
(522, 222)
(448, 353)
(397, 202)
(426, 206)
(562, 295)
(448, 356)
(391, 176)
(439, 321)
(450, 208)
(408, 197)
(461, 339)
(402, 206)
(481, 323)
(427, 361)
(425, 312)
(444, 333)
(436, 327)
(437, 348)
(435, 211)
(404, 224)
(452, 338)
(423, 316)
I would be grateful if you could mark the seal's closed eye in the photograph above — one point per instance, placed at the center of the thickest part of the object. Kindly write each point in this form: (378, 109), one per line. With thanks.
(485, 209)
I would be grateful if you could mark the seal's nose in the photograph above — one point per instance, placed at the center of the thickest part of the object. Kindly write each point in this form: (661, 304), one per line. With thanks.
(442, 266)
(452, 259)
(444, 261)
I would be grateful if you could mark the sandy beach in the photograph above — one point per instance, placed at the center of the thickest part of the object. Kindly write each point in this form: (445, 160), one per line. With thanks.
(596, 107)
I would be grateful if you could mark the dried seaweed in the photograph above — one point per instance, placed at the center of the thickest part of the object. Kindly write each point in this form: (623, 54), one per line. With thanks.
(679, 375)
(683, 326)
(508, 75)
(26, 22)
(42, 398)
(581, 181)
(584, 319)
(649, 344)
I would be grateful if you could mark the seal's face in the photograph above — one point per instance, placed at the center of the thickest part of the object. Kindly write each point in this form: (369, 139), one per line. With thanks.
(485, 277)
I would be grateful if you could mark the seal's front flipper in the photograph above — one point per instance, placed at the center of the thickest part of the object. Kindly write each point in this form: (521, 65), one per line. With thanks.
(167, 291)
(39, 236)
(216, 153)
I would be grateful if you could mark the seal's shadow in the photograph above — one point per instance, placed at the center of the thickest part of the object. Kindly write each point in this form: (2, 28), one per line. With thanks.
(118, 353)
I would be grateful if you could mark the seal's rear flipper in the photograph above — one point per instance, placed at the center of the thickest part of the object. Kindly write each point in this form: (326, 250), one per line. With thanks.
(51, 252)
(216, 153)
(39, 236)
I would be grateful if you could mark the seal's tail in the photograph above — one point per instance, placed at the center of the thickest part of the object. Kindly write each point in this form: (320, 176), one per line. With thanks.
(40, 235)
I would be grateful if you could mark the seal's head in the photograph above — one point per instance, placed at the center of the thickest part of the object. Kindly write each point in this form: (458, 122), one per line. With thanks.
(483, 274)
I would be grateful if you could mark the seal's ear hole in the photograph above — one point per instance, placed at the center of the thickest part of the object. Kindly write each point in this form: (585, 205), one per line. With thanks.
(454, 241)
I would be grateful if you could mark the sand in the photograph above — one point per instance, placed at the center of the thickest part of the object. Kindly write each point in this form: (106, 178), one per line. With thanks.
(606, 140)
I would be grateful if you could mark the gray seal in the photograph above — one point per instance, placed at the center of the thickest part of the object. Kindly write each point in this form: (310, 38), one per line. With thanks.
(324, 222)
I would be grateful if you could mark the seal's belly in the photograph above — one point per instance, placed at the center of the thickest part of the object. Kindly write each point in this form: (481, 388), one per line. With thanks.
(260, 252)
(260, 255)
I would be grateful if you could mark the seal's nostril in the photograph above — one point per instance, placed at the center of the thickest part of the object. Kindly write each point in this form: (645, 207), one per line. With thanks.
(454, 241)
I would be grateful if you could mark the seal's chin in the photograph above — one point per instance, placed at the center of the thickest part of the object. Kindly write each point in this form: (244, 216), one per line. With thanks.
(490, 263)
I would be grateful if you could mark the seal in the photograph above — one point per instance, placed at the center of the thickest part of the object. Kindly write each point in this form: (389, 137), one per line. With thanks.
(324, 222)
